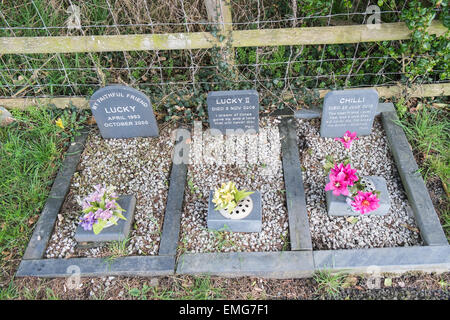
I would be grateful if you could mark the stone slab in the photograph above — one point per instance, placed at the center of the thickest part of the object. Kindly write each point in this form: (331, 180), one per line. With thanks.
(251, 223)
(98, 267)
(278, 265)
(337, 206)
(234, 111)
(44, 227)
(174, 205)
(396, 260)
(416, 190)
(299, 232)
(352, 110)
(117, 232)
(123, 112)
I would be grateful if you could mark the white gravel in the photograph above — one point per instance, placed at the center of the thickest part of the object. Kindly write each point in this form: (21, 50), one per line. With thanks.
(255, 166)
(137, 166)
(371, 156)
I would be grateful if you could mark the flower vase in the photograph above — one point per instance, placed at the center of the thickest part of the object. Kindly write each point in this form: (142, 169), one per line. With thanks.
(242, 210)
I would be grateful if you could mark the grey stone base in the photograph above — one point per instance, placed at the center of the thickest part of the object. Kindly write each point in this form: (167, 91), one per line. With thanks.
(97, 267)
(337, 206)
(119, 232)
(251, 223)
(275, 265)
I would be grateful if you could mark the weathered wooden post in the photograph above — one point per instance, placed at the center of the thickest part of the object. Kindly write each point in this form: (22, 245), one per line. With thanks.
(219, 11)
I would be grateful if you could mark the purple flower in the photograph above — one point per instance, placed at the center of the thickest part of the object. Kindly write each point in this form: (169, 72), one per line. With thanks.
(105, 215)
(85, 205)
(111, 205)
(104, 201)
(88, 220)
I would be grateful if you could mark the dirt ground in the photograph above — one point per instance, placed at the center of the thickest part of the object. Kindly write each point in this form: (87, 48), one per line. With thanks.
(410, 286)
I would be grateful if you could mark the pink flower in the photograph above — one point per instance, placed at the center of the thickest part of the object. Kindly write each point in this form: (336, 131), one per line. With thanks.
(338, 184)
(365, 202)
(350, 174)
(347, 139)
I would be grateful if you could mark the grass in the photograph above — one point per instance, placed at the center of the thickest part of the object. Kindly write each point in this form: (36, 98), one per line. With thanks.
(428, 131)
(329, 283)
(200, 288)
(31, 152)
(222, 238)
(118, 249)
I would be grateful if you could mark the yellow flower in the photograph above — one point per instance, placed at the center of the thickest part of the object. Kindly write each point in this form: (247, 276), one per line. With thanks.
(228, 197)
(59, 123)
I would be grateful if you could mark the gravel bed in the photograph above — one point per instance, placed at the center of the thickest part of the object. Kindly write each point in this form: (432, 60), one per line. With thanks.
(371, 156)
(256, 165)
(138, 166)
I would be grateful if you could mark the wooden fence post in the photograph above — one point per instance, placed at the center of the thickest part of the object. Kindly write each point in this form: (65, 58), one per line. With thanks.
(219, 11)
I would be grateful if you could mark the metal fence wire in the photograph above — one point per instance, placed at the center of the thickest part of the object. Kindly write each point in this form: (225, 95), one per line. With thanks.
(280, 68)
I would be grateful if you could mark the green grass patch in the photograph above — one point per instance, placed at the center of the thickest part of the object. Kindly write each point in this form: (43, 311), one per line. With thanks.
(31, 151)
(200, 288)
(428, 131)
(329, 283)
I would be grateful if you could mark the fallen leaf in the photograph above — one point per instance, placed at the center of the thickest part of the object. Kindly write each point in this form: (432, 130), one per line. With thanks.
(388, 282)
(352, 220)
(410, 228)
(350, 281)
(91, 121)
(32, 220)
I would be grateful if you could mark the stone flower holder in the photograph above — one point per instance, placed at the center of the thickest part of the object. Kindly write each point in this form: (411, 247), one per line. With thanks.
(118, 232)
(338, 206)
(246, 217)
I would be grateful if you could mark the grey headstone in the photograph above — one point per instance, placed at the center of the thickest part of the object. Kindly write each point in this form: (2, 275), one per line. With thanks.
(352, 110)
(337, 206)
(123, 112)
(117, 232)
(236, 110)
(251, 223)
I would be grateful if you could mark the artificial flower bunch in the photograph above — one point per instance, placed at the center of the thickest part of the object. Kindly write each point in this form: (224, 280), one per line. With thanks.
(344, 181)
(347, 139)
(228, 196)
(100, 208)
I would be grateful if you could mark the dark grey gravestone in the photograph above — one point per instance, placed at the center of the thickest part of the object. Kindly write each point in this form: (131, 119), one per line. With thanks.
(352, 110)
(123, 112)
(251, 223)
(337, 206)
(118, 232)
(236, 111)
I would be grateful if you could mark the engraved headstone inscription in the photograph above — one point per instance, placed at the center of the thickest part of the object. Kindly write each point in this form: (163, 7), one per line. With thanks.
(352, 110)
(123, 112)
(235, 111)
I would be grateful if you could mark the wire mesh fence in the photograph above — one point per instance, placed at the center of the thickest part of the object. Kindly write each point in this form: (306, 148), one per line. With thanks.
(281, 69)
